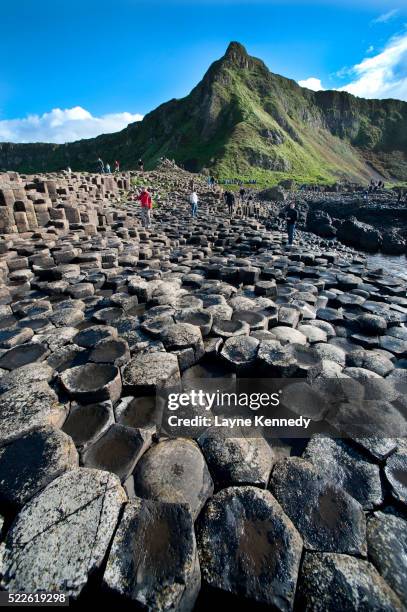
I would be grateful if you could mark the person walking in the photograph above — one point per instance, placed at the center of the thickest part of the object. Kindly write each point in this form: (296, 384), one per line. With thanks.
(116, 166)
(141, 165)
(193, 200)
(101, 166)
(230, 201)
(107, 170)
(292, 218)
(146, 205)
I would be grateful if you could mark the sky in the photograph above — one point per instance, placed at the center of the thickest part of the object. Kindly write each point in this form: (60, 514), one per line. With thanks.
(75, 69)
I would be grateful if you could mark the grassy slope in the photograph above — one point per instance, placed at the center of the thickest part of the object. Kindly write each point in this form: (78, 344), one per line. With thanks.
(225, 123)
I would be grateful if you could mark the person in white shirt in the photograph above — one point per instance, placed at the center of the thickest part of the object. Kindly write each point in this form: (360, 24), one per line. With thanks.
(193, 200)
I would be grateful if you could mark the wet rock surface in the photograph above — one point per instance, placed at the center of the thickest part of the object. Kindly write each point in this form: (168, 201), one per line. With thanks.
(98, 314)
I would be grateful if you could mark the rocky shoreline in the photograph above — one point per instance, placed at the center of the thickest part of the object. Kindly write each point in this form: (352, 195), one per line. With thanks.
(98, 313)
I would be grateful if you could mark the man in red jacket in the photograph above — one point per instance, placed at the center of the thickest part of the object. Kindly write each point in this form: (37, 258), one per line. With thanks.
(146, 205)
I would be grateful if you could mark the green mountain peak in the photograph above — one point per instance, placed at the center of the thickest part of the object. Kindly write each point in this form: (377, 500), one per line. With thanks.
(243, 120)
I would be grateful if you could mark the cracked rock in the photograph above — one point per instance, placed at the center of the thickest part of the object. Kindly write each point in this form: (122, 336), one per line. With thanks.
(31, 462)
(61, 536)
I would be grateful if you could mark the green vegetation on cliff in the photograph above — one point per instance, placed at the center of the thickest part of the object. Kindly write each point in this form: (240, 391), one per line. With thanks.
(242, 120)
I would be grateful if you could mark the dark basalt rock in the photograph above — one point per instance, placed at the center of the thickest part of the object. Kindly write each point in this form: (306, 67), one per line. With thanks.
(249, 547)
(360, 235)
(62, 535)
(387, 548)
(31, 462)
(198, 318)
(174, 471)
(339, 582)
(118, 450)
(230, 329)
(396, 474)
(237, 460)
(92, 382)
(239, 353)
(327, 518)
(23, 354)
(110, 350)
(86, 424)
(23, 409)
(144, 374)
(347, 468)
(153, 561)
(25, 376)
(89, 337)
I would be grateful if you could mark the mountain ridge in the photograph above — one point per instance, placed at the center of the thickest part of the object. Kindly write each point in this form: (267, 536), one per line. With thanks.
(243, 120)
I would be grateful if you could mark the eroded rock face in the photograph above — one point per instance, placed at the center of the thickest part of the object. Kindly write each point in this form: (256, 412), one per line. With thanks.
(62, 535)
(118, 450)
(396, 474)
(153, 560)
(329, 582)
(249, 547)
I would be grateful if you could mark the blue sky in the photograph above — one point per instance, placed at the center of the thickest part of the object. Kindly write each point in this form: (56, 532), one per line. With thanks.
(78, 68)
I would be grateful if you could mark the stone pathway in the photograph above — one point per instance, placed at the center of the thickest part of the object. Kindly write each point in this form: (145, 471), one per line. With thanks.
(97, 313)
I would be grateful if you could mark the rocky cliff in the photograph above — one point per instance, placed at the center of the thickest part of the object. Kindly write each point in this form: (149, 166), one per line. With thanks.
(242, 119)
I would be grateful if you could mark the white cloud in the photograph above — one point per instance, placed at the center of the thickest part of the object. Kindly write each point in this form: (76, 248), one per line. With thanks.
(312, 83)
(385, 17)
(63, 125)
(383, 75)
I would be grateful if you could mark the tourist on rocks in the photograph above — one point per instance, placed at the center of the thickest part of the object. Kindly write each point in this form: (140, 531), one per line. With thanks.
(193, 200)
(116, 166)
(107, 170)
(230, 201)
(242, 193)
(69, 171)
(292, 218)
(146, 205)
(101, 166)
(141, 165)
